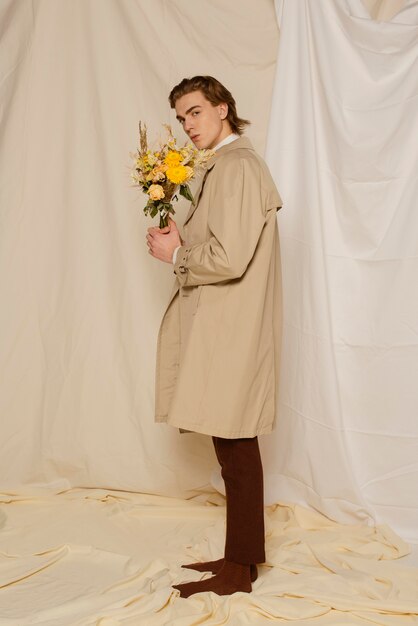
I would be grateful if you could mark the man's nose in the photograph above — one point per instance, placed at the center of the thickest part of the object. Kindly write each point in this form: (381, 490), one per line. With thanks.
(188, 126)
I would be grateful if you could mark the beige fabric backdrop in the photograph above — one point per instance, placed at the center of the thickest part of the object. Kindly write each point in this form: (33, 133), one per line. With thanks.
(82, 299)
(81, 306)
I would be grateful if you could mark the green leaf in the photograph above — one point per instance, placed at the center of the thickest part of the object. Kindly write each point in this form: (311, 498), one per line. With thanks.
(185, 192)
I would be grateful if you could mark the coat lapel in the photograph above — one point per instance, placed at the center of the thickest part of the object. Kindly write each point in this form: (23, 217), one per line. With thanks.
(199, 190)
(242, 142)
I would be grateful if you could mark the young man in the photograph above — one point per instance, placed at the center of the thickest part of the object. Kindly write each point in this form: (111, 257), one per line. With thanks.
(218, 351)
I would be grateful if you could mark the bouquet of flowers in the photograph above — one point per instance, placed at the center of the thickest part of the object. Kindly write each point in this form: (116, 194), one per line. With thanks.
(161, 173)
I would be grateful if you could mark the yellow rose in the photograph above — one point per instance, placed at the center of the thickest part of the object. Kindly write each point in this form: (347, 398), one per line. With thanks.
(156, 192)
(157, 175)
(178, 174)
(173, 158)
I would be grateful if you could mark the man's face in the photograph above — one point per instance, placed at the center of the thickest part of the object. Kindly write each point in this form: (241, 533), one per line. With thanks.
(205, 124)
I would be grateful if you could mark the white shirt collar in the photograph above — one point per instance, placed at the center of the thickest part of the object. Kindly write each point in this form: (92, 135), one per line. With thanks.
(228, 139)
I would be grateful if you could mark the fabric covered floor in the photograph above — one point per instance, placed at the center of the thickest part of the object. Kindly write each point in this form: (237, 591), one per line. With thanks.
(96, 556)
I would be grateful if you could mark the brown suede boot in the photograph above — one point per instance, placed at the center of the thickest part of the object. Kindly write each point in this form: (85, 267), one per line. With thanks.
(215, 567)
(232, 577)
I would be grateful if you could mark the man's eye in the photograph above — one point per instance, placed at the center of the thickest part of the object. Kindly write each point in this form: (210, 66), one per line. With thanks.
(195, 112)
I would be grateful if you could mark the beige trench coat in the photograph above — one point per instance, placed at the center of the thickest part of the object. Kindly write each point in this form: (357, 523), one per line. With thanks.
(219, 343)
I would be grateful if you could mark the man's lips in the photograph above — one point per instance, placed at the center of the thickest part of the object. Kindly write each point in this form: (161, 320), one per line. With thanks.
(193, 137)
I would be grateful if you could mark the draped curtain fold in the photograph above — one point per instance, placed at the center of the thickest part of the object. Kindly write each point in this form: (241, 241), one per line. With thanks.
(342, 145)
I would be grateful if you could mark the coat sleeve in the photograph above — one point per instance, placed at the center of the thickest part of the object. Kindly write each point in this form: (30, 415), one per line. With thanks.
(236, 219)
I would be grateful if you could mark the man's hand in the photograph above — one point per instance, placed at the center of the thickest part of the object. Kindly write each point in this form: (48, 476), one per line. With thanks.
(163, 241)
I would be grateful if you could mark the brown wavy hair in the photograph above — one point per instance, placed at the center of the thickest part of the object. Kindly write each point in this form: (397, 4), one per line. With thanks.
(213, 91)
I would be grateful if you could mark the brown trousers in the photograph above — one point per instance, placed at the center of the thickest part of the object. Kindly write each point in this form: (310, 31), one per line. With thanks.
(242, 471)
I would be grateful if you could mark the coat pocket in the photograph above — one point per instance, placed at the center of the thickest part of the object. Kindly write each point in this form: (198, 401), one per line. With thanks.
(190, 297)
(197, 298)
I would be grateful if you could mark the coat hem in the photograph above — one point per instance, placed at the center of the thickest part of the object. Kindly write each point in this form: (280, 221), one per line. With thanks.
(216, 432)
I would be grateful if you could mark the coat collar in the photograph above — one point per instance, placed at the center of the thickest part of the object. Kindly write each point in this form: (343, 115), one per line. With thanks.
(241, 142)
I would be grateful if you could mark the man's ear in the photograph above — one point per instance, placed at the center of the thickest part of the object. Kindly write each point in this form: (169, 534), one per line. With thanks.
(223, 110)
